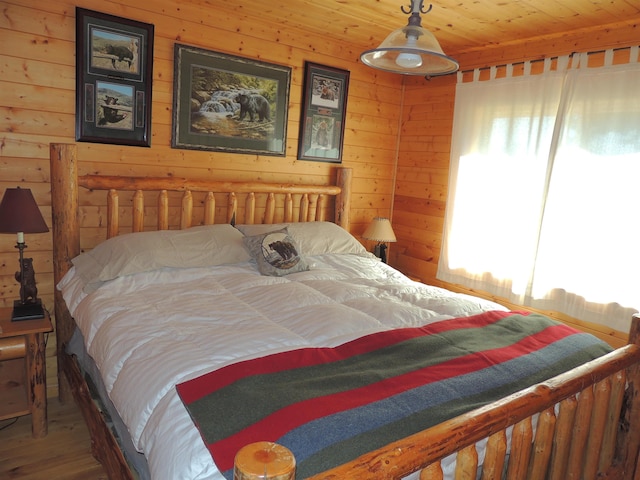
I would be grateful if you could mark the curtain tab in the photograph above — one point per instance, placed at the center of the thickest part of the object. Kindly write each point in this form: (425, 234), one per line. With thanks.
(584, 60)
(562, 63)
(633, 54)
(608, 57)
(492, 72)
(527, 68)
(509, 69)
(579, 60)
(476, 74)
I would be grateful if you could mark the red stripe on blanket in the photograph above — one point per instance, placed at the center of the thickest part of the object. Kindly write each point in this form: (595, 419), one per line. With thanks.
(286, 419)
(208, 383)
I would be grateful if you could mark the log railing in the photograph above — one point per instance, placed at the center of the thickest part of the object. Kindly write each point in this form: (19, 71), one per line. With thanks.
(311, 205)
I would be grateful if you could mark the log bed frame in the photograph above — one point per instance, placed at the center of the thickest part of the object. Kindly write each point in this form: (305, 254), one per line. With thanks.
(588, 419)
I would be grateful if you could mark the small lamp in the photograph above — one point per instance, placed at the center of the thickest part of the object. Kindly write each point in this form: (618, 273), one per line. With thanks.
(20, 214)
(379, 230)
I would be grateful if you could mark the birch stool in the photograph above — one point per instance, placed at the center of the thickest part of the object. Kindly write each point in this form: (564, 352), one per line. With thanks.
(264, 461)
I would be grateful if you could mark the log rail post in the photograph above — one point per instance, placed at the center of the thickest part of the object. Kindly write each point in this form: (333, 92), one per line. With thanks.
(629, 438)
(66, 241)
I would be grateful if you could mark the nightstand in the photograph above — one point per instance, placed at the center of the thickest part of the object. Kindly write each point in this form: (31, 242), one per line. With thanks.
(23, 378)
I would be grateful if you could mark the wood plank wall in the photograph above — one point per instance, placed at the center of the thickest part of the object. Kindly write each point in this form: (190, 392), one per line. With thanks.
(37, 106)
(423, 162)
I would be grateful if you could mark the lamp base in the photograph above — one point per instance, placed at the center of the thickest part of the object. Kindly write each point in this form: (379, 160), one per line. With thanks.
(27, 311)
(380, 251)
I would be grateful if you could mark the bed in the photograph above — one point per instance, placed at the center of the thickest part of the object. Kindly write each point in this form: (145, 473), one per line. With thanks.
(581, 421)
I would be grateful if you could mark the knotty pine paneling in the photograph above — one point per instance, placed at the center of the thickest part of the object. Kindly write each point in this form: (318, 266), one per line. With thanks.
(37, 106)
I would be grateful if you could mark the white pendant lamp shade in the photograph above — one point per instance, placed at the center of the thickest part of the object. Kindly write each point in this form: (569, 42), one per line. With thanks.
(411, 50)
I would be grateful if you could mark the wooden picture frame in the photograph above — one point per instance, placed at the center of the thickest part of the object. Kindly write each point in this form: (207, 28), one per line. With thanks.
(227, 103)
(323, 112)
(114, 71)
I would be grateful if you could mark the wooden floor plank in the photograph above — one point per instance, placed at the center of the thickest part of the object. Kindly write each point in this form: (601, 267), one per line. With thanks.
(64, 454)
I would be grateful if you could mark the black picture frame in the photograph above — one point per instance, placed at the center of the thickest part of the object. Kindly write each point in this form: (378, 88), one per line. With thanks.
(323, 113)
(227, 103)
(114, 72)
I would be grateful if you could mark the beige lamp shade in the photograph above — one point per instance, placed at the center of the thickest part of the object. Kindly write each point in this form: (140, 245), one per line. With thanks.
(379, 230)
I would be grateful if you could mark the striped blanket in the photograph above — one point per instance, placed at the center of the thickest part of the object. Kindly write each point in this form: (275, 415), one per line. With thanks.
(330, 405)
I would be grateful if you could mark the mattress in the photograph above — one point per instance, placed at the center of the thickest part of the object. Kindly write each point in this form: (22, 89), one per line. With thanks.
(148, 331)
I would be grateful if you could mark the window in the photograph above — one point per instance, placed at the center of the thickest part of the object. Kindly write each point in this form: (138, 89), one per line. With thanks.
(543, 208)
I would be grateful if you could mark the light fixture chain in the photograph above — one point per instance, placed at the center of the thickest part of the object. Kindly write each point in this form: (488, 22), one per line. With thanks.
(417, 6)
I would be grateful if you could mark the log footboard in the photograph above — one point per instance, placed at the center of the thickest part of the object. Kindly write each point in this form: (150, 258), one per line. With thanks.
(583, 424)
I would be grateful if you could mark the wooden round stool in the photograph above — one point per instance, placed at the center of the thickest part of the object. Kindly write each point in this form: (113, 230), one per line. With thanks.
(264, 461)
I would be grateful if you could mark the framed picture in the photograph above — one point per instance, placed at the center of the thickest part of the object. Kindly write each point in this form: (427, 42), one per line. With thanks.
(229, 104)
(324, 107)
(114, 59)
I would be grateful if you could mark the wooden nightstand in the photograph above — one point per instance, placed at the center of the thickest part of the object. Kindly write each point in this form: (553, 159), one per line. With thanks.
(23, 378)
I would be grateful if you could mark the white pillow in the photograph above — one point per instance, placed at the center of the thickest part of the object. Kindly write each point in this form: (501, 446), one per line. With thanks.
(312, 238)
(131, 253)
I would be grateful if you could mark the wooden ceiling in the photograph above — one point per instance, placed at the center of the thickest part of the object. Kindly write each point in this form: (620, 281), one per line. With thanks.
(460, 26)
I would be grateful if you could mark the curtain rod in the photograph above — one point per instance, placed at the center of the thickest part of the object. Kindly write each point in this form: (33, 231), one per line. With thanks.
(537, 60)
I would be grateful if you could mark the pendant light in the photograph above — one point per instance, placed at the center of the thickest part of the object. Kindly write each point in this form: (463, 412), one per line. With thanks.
(411, 50)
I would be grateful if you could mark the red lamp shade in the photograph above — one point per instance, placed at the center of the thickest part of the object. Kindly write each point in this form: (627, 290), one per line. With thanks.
(19, 212)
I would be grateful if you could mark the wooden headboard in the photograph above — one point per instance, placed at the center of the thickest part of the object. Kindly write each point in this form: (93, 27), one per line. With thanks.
(218, 202)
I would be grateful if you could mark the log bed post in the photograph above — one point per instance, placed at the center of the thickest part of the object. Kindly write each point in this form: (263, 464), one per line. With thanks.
(343, 199)
(66, 241)
(629, 438)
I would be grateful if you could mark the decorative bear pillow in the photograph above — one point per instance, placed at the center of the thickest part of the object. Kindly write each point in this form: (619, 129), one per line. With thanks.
(276, 253)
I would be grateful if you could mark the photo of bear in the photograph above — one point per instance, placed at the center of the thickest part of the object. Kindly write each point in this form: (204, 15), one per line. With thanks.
(322, 135)
(115, 51)
(114, 105)
(255, 105)
(323, 113)
(232, 105)
(325, 92)
(114, 72)
(228, 103)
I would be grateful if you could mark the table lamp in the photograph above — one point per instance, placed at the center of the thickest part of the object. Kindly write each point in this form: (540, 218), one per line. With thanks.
(379, 230)
(20, 214)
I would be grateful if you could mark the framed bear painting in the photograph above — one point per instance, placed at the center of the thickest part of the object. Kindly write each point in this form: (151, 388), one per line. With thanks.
(229, 104)
(324, 108)
(114, 62)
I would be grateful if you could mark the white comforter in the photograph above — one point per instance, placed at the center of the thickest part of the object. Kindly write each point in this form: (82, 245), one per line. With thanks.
(149, 331)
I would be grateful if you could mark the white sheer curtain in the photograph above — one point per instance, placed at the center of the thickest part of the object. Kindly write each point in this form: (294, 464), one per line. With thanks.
(541, 207)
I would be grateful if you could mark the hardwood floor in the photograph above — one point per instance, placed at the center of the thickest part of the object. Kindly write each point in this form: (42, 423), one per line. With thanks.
(64, 454)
